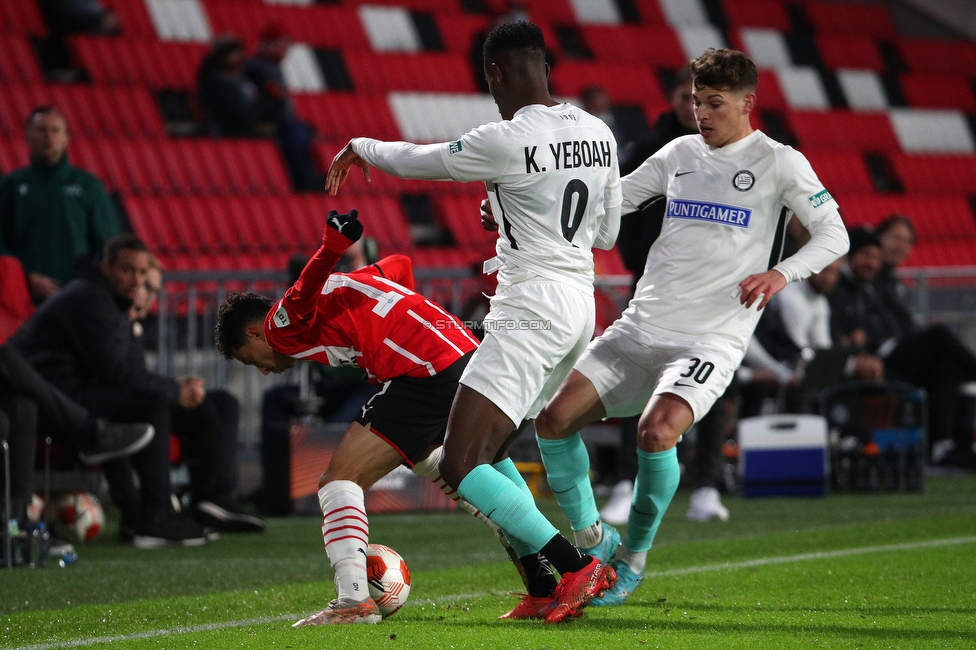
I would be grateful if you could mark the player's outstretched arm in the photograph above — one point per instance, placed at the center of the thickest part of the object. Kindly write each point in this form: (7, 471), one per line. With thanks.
(766, 285)
(341, 230)
(339, 169)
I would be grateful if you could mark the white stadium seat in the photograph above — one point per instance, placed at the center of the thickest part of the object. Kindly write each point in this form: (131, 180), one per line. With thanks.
(802, 87)
(862, 89)
(301, 69)
(931, 131)
(389, 29)
(596, 12)
(766, 47)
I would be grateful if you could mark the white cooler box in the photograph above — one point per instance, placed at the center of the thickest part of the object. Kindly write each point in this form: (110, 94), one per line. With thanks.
(783, 455)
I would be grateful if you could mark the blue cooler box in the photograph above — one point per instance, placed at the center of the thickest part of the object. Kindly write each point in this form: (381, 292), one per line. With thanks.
(783, 455)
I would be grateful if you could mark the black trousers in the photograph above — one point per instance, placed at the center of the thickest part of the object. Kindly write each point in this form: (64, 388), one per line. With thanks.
(936, 360)
(208, 437)
(31, 405)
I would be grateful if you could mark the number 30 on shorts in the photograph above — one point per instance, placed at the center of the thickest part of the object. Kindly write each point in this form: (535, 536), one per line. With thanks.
(699, 370)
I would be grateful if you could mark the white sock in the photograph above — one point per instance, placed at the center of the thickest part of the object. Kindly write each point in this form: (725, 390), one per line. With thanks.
(636, 560)
(345, 530)
(589, 536)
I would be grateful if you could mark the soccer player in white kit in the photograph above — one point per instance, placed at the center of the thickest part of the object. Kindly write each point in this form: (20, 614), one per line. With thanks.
(730, 191)
(553, 184)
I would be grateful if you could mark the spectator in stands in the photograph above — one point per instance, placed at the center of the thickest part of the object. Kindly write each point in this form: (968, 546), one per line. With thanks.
(54, 217)
(82, 341)
(79, 16)
(931, 357)
(229, 99)
(897, 236)
(637, 232)
(31, 404)
(275, 106)
(596, 101)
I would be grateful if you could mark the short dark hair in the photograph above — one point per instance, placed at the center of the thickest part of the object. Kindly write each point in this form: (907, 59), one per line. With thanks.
(890, 222)
(124, 242)
(234, 315)
(725, 69)
(44, 109)
(513, 36)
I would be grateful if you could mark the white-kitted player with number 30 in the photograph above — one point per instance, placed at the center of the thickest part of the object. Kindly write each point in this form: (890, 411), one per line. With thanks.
(554, 187)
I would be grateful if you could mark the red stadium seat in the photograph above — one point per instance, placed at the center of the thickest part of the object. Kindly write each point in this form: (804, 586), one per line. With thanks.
(13, 155)
(849, 51)
(460, 215)
(944, 218)
(340, 116)
(18, 62)
(316, 25)
(133, 17)
(656, 46)
(151, 221)
(429, 6)
(871, 20)
(935, 174)
(457, 31)
(771, 97)
(757, 13)
(429, 72)
(929, 91)
(21, 17)
(626, 84)
(938, 56)
(122, 60)
(842, 130)
(841, 171)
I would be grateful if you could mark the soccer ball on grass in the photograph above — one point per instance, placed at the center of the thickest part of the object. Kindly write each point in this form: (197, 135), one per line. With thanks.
(76, 516)
(388, 577)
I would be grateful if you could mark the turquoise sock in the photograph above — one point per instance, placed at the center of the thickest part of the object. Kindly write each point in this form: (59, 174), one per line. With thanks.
(657, 480)
(568, 472)
(507, 468)
(504, 503)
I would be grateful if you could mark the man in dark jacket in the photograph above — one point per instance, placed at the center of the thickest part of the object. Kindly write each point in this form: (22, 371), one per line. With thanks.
(932, 357)
(51, 212)
(82, 341)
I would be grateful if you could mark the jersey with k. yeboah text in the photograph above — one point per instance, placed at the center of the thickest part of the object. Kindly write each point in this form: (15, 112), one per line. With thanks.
(551, 175)
(370, 318)
(725, 219)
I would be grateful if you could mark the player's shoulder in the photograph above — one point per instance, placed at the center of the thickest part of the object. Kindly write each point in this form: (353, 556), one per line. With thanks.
(783, 152)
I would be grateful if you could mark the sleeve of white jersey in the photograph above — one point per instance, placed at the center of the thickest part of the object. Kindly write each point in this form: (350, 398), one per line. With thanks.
(403, 159)
(805, 195)
(610, 226)
(481, 154)
(645, 182)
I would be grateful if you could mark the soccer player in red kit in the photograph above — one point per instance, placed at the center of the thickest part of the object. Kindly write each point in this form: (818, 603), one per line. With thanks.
(406, 343)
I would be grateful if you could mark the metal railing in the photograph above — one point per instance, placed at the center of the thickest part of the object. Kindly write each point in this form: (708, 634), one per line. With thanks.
(184, 342)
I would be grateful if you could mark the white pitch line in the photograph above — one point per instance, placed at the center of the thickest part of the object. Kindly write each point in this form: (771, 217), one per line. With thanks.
(801, 557)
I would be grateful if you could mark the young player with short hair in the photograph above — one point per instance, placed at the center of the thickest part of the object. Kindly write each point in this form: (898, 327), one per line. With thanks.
(410, 345)
(730, 192)
(551, 174)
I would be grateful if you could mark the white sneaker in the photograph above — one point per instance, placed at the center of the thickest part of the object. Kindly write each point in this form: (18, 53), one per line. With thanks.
(617, 510)
(706, 504)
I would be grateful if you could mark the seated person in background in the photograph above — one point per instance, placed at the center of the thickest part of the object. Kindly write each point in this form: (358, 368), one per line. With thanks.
(412, 347)
(229, 99)
(897, 237)
(53, 216)
(932, 357)
(81, 340)
(65, 17)
(274, 106)
(31, 404)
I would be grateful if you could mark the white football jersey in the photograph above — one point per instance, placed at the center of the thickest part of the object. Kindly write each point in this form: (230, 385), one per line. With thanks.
(551, 174)
(725, 219)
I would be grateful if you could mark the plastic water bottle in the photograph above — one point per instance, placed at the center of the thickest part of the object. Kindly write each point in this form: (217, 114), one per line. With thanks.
(40, 545)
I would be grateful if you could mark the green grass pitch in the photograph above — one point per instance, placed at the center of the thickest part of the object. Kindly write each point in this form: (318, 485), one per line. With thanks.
(846, 571)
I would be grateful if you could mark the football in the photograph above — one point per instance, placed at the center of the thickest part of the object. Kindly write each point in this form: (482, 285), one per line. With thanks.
(76, 516)
(389, 578)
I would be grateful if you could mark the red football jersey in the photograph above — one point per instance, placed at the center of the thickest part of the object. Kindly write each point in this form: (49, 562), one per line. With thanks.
(370, 317)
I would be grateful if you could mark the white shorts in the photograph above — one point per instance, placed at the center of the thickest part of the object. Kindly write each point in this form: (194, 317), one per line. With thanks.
(627, 373)
(534, 333)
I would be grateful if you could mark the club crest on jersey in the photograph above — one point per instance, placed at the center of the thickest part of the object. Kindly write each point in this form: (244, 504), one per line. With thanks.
(743, 180)
(454, 147)
(729, 215)
(820, 198)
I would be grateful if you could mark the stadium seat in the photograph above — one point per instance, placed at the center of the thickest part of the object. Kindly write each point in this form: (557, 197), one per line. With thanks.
(766, 47)
(935, 174)
(21, 17)
(656, 46)
(340, 116)
(626, 84)
(389, 29)
(13, 154)
(849, 51)
(770, 94)
(936, 218)
(943, 91)
(802, 87)
(315, 25)
(938, 55)
(429, 6)
(932, 131)
(122, 60)
(301, 69)
(18, 62)
(756, 13)
(427, 71)
(461, 216)
(683, 12)
(596, 12)
(180, 20)
(862, 89)
(842, 130)
(133, 17)
(864, 19)
(695, 39)
(440, 117)
(457, 31)
(841, 171)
